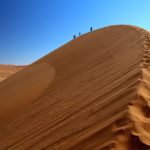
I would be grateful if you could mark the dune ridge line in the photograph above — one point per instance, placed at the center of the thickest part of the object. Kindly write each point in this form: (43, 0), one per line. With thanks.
(140, 109)
(137, 120)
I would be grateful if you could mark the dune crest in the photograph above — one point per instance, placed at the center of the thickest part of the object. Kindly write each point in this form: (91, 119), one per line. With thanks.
(29, 84)
(140, 108)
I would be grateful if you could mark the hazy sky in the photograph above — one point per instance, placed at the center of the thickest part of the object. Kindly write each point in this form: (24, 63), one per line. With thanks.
(29, 29)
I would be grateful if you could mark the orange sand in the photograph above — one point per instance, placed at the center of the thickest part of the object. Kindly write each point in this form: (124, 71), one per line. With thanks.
(90, 94)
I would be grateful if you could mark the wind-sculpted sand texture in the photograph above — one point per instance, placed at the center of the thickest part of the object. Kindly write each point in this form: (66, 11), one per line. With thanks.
(7, 70)
(98, 98)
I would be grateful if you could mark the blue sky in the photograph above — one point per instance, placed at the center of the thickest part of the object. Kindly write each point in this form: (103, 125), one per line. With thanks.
(29, 29)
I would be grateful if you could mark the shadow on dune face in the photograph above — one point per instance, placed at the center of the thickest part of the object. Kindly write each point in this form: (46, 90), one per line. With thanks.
(136, 144)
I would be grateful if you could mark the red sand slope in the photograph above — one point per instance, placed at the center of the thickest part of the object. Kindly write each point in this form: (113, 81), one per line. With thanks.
(96, 96)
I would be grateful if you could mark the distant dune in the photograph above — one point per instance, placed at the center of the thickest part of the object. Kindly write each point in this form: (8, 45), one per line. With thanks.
(7, 70)
(93, 93)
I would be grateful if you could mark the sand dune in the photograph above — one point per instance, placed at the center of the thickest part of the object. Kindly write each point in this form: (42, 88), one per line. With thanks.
(7, 70)
(90, 94)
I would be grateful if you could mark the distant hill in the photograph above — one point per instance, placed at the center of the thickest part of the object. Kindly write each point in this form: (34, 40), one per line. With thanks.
(7, 70)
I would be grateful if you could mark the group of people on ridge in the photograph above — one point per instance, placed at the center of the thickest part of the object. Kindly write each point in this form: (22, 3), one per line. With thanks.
(91, 29)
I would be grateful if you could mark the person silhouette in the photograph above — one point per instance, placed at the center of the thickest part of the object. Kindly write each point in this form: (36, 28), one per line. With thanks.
(74, 36)
(79, 33)
(91, 29)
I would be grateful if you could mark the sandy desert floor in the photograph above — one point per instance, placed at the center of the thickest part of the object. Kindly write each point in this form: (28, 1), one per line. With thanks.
(93, 93)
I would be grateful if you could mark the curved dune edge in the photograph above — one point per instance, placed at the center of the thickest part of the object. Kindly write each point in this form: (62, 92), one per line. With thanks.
(137, 123)
(140, 108)
(22, 89)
